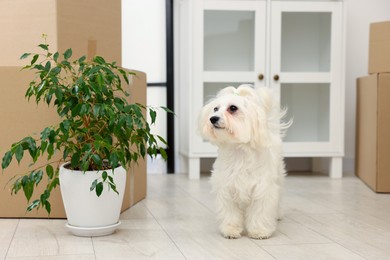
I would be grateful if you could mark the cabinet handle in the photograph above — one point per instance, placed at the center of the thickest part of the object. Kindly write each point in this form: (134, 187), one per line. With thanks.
(260, 77)
(276, 77)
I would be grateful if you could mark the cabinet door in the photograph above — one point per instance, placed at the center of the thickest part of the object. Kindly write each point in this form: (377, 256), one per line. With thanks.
(306, 70)
(229, 52)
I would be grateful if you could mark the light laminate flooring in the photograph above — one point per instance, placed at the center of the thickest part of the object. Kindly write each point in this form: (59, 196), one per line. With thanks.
(323, 219)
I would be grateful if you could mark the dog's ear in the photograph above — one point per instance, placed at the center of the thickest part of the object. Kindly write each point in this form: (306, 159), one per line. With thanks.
(204, 126)
(266, 125)
(246, 91)
(226, 91)
(260, 129)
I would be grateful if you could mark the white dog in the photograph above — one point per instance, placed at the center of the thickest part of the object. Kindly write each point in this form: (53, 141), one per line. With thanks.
(248, 174)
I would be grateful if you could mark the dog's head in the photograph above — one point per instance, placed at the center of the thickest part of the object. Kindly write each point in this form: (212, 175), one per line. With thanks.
(240, 116)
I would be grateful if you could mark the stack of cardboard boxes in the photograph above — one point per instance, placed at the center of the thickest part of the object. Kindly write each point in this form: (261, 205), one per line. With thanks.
(88, 27)
(373, 113)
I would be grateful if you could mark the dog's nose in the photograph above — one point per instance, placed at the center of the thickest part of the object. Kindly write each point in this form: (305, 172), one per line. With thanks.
(214, 119)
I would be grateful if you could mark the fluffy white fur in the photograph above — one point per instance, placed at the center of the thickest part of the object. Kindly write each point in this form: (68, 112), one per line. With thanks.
(247, 176)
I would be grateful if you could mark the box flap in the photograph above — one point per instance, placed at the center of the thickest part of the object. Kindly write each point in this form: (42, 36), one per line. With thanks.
(379, 48)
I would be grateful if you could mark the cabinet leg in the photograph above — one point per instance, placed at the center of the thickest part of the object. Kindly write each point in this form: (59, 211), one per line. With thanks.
(194, 168)
(336, 167)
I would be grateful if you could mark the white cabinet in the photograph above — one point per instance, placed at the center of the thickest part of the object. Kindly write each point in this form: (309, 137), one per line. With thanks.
(294, 47)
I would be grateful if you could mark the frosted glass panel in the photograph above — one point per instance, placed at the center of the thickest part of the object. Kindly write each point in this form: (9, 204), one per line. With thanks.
(306, 41)
(211, 89)
(229, 40)
(308, 105)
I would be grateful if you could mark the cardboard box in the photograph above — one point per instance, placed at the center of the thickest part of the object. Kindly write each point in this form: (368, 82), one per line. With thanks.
(20, 118)
(76, 24)
(373, 131)
(379, 48)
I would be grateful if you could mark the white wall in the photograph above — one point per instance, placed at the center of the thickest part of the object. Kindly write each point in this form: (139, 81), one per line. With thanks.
(144, 49)
(143, 37)
(360, 13)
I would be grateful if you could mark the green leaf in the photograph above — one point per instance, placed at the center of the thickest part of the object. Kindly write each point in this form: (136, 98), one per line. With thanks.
(50, 150)
(124, 75)
(142, 150)
(99, 60)
(113, 187)
(66, 64)
(99, 189)
(43, 146)
(75, 90)
(167, 110)
(55, 182)
(28, 187)
(85, 166)
(47, 66)
(7, 158)
(96, 109)
(82, 59)
(162, 140)
(75, 160)
(114, 159)
(40, 87)
(16, 186)
(67, 54)
(47, 206)
(48, 98)
(76, 110)
(30, 144)
(49, 171)
(44, 46)
(96, 159)
(25, 55)
(45, 133)
(35, 58)
(100, 80)
(153, 115)
(33, 205)
(38, 177)
(163, 154)
(55, 56)
(93, 185)
(104, 175)
(55, 71)
(83, 110)
(59, 95)
(19, 153)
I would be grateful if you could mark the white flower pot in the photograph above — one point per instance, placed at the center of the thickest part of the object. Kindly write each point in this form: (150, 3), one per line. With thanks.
(88, 214)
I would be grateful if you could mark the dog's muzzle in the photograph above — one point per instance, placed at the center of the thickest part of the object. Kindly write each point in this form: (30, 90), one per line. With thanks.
(215, 121)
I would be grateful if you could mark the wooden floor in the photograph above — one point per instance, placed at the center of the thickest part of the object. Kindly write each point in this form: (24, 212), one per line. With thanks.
(324, 219)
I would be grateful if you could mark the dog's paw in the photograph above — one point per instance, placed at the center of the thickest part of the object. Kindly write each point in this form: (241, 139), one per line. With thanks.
(231, 232)
(259, 234)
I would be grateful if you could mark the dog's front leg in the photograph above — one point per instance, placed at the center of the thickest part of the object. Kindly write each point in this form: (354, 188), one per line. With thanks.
(230, 216)
(262, 214)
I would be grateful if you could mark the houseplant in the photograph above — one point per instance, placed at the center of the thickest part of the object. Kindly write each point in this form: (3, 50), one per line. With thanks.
(99, 130)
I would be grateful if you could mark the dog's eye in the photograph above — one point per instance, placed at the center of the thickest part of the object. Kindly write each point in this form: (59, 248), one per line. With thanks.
(216, 109)
(233, 108)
